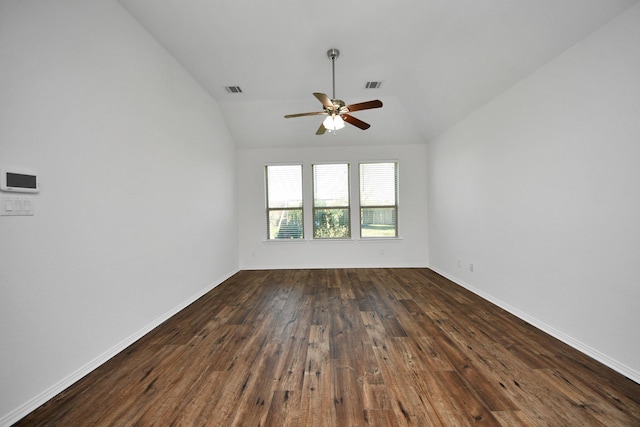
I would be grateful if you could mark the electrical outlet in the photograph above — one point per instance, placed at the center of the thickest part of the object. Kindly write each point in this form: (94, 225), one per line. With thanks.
(470, 267)
(459, 263)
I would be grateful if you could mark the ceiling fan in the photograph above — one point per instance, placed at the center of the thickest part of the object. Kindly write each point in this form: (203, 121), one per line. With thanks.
(335, 109)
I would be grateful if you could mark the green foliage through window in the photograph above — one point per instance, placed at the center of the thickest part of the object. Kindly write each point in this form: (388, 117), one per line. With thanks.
(331, 224)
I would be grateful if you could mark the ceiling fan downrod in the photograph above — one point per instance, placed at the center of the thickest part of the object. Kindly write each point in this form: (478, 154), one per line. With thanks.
(333, 54)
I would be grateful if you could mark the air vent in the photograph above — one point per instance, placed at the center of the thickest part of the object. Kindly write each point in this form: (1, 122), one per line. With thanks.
(233, 89)
(373, 85)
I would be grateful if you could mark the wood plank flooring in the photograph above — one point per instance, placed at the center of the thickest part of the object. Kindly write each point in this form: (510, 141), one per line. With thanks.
(345, 347)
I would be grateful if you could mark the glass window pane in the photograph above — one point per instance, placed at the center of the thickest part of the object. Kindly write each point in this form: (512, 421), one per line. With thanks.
(284, 186)
(378, 222)
(331, 224)
(377, 184)
(331, 185)
(285, 224)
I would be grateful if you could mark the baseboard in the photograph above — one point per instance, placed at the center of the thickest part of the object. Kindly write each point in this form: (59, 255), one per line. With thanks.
(328, 266)
(621, 368)
(68, 381)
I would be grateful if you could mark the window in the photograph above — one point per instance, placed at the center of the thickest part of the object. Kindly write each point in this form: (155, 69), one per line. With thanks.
(379, 199)
(331, 211)
(284, 202)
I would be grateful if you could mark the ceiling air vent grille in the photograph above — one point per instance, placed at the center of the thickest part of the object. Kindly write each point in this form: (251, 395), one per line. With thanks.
(233, 89)
(372, 85)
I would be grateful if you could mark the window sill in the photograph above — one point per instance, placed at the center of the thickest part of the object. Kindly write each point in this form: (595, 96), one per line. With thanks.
(379, 239)
(276, 241)
(360, 239)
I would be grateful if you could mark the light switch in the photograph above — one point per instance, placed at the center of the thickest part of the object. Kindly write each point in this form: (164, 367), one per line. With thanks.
(27, 207)
(6, 206)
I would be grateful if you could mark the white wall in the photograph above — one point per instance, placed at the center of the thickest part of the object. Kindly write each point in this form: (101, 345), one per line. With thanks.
(410, 250)
(136, 216)
(540, 190)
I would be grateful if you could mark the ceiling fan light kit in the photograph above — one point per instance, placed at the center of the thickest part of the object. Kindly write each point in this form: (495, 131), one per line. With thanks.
(335, 109)
(333, 122)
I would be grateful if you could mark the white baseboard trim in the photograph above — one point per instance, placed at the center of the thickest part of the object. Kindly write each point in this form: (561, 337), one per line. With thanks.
(328, 266)
(621, 368)
(34, 403)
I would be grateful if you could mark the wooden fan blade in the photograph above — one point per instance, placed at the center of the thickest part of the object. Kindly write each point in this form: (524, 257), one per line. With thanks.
(356, 122)
(321, 130)
(326, 101)
(365, 105)
(316, 113)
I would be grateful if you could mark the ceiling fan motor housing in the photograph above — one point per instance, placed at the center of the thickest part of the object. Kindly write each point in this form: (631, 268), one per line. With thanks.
(339, 106)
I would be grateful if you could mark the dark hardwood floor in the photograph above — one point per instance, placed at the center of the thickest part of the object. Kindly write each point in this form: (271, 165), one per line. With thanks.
(345, 347)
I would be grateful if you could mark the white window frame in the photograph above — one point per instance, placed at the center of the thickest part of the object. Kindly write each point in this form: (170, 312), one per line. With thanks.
(394, 206)
(269, 209)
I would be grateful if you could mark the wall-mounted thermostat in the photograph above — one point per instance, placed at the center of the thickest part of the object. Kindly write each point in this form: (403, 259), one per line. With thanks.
(18, 181)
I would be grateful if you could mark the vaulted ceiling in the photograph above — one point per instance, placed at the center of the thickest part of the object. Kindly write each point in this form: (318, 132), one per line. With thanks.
(438, 60)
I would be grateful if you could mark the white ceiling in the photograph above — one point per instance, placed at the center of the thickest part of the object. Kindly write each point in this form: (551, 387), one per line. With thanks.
(439, 60)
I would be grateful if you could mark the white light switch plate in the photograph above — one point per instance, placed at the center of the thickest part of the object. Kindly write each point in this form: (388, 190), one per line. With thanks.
(16, 206)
